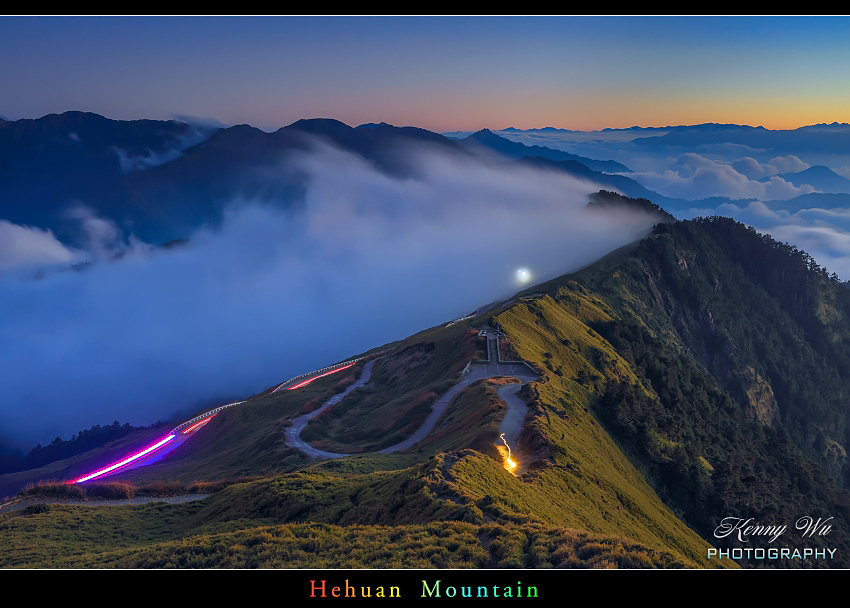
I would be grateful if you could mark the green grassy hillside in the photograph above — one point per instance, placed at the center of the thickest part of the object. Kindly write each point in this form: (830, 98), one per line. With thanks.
(706, 371)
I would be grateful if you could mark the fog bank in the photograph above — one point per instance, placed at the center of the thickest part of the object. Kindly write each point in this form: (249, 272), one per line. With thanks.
(363, 260)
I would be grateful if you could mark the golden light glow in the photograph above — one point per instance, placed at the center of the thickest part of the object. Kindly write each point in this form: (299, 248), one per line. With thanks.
(509, 464)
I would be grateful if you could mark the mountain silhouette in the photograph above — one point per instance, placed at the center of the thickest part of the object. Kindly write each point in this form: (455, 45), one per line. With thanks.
(486, 139)
(819, 177)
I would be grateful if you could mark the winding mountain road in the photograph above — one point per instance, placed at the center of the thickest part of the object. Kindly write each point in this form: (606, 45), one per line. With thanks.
(293, 432)
(494, 366)
(511, 425)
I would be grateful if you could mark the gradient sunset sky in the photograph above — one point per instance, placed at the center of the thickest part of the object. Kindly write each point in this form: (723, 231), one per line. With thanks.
(439, 73)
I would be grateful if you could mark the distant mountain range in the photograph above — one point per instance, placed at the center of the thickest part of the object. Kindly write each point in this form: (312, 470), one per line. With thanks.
(160, 180)
(702, 127)
(819, 139)
(815, 200)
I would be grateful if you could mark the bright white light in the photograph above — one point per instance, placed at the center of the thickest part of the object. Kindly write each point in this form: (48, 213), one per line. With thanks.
(523, 275)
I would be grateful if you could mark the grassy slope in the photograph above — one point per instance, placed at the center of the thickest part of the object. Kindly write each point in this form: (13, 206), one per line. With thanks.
(585, 475)
(148, 540)
(469, 485)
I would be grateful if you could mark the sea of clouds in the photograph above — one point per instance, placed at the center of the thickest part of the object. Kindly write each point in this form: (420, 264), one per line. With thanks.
(730, 170)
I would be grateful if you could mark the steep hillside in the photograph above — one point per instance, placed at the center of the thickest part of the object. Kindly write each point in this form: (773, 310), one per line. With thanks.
(736, 351)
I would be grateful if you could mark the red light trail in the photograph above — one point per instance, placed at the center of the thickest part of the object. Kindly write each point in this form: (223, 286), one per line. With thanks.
(199, 424)
(309, 380)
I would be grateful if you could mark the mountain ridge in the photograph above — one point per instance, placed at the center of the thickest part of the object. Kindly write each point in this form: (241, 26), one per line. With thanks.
(491, 141)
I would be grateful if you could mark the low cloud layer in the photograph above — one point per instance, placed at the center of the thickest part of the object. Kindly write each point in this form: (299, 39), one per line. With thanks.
(27, 251)
(753, 169)
(198, 131)
(363, 260)
(693, 176)
(23, 248)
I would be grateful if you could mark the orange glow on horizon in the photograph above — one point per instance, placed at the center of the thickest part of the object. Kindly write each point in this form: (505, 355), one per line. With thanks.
(592, 112)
